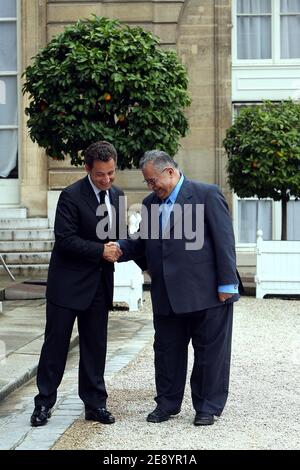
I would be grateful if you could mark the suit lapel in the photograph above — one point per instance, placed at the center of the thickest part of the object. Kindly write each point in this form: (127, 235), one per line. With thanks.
(184, 197)
(152, 215)
(89, 195)
(115, 210)
(113, 197)
(92, 200)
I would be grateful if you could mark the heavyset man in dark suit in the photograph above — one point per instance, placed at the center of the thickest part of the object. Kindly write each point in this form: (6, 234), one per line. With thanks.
(192, 289)
(80, 284)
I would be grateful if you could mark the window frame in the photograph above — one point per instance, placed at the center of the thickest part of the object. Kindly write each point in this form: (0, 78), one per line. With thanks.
(275, 41)
(17, 74)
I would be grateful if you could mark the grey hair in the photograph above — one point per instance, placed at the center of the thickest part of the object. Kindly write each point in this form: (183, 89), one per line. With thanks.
(159, 158)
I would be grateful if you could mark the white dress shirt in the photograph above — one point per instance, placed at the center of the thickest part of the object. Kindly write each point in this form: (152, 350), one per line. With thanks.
(107, 200)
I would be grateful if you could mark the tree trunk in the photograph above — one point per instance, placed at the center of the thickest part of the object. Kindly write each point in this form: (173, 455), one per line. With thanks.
(284, 201)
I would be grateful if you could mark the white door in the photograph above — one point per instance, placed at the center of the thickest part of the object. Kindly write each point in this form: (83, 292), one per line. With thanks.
(9, 90)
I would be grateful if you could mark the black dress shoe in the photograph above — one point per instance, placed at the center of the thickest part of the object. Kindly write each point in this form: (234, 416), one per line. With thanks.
(159, 415)
(99, 414)
(203, 419)
(40, 416)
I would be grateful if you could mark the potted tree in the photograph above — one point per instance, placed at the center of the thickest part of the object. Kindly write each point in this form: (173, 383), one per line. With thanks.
(102, 80)
(263, 148)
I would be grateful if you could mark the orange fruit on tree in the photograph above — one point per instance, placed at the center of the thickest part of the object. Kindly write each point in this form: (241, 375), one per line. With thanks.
(107, 96)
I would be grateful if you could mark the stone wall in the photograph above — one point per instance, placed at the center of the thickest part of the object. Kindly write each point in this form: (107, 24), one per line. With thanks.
(160, 17)
(33, 165)
(204, 45)
(200, 31)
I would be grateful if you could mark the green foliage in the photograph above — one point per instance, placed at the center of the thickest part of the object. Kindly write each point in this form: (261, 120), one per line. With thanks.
(263, 146)
(100, 80)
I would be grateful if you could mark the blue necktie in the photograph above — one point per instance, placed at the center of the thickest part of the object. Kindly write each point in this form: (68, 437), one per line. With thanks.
(162, 216)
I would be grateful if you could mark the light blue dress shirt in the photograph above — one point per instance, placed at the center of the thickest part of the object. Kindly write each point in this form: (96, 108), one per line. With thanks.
(166, 208)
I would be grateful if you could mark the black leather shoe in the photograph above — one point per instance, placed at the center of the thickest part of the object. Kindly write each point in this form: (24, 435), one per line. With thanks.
(158, 415)
(100, 414)
(40, 416)
(203, 419)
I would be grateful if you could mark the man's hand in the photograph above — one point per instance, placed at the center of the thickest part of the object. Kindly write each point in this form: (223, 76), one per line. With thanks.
(112, 252)
(223, 296)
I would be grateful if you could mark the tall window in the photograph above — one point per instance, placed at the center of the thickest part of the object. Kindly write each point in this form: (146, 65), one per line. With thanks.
(8, 89)
(290, 29)
(254, 27)
(261, 214)
(267, 30)
(293, 217)
(254, 215)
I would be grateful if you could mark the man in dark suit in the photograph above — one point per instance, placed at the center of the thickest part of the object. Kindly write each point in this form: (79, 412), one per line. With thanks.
(191, 260)
(80, 284)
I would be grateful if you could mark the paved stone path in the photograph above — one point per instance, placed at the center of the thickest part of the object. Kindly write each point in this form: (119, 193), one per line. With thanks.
(128, 333)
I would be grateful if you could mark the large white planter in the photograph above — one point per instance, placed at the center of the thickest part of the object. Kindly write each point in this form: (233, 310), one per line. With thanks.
(128, 285)
(277, 267)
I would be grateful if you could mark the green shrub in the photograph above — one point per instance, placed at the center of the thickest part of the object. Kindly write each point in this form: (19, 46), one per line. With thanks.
(102, 80)
(263, 148)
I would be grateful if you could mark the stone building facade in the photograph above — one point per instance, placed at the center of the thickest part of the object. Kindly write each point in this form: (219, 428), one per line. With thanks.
(199, 30)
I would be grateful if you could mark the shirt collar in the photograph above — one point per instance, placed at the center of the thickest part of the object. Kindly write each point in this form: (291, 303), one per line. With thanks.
(174, 193)
(95, 189)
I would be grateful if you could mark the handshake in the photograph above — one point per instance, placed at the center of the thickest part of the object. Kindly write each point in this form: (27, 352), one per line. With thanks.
(112, 252)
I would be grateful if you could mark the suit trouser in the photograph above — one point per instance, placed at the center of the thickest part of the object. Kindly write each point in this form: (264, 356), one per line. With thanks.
(210, 332)
(92, 329)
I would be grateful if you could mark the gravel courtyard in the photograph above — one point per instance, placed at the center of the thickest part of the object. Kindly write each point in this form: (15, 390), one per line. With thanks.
(262, 410)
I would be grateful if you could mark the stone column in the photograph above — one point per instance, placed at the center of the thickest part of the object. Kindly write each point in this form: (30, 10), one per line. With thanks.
(204, 45)
(33, 162)
(195, 47)
(223, 112)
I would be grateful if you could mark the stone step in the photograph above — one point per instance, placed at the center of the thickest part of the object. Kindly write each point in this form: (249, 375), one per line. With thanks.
(25, 246)
(13, 212)
(31, 223)
(27, 270)
(27, 258)
(27, 235)
(25, 291)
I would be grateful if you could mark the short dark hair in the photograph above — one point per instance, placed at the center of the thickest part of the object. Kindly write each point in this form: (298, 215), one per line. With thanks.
(100, 150)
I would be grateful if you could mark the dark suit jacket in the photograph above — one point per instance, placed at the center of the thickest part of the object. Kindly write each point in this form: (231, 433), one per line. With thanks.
(76, 262)
(188, 280)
